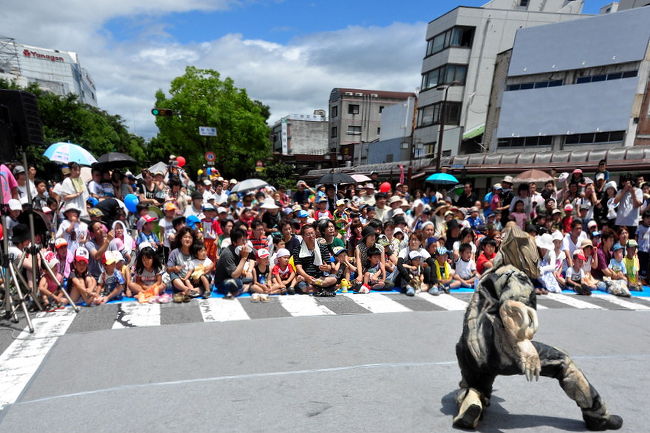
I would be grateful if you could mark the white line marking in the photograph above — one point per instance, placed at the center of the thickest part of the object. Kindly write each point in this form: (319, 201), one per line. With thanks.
(622, 302)
(445, 301)
(301, 305)
(377, 303)
(22, 358)
(573, 301)
(222, 310)
(135, 315)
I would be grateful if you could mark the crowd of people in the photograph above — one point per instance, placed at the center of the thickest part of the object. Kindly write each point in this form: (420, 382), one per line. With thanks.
(185, 238)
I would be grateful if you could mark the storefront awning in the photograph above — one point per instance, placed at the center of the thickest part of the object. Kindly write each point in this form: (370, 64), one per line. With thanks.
(474, 132)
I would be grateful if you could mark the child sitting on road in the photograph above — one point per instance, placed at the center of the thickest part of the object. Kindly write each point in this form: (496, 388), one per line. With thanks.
(617, 285)
(51, 295)
(631, 262)
(111, 281)
(414, 268)
(284, 274)
(84, 285)
(145, 231)
(147, 281)
(444, 275)
(465, 267)
(262, 285)
(342, 268)
(374, 275)
(575, 275)
(203, 267)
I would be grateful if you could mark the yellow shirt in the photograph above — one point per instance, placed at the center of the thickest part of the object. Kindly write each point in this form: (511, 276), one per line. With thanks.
(631, 268)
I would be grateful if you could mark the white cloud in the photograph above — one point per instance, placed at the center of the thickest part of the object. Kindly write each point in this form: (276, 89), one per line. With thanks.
(295, 77)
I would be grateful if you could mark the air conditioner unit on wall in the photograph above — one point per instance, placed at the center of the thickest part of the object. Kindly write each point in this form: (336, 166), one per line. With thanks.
(359, 94)
(349, 94)
(374, 95)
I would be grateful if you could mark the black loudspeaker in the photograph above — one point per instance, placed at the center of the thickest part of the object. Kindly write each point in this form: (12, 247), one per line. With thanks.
(20, 123)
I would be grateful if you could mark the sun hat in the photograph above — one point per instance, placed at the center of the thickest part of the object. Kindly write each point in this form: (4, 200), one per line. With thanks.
(394, 199)
(557, 236)
(610, 184)
(586, 243)
(414, 255)
(82, 255)
(600, 176)
(15, 204)
(111, 257)
(283, 252)
(71, 206)
(207, 182)
(545, 241)
(508, 179)
(269, 203)
(233, 181)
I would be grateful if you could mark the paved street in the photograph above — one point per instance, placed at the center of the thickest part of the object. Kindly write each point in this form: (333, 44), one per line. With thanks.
(339, 367)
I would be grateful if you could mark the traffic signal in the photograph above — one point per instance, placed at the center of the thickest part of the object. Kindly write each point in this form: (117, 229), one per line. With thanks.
(162, 112)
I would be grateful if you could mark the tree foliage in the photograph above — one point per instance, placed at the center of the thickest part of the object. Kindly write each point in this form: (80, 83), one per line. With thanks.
(64, 118)
(278, 173)
(201, 98)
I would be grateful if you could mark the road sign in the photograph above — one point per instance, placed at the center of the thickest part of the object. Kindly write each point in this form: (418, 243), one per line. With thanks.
(208, 131)
(210, 156)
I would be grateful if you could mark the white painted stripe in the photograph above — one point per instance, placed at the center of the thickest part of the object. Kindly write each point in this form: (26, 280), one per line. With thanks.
(22, 358)
(572, 301)
(445, 301)
(541, 307)
(222, 310)
(301, 305)
(377, 303)
(135, 315)
(622, 302)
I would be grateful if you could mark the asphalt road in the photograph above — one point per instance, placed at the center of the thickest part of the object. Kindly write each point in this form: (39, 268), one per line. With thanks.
(341, 372)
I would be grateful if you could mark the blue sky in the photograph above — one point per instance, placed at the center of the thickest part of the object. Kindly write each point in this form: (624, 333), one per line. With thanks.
(282, 20)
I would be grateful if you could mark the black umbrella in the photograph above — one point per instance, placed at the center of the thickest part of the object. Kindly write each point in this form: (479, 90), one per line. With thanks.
(335, 179)
(114, 160)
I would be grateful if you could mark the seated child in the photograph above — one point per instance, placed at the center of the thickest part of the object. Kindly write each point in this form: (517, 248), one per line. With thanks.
(111, 281)
(444, 275)
(414, 268)
(263, 285)
(374, 275)
(49, 289)
(147, 282)
(631, 262)
(203, 267)
(284, 274)
(83, 285)
(617, 284)
(575, 275)
(465, 267)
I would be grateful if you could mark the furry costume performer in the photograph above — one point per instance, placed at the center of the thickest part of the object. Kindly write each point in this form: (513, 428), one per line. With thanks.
(499, 324)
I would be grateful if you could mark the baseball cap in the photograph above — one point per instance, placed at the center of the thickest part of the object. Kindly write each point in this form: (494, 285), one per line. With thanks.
(595, 234)
(170, 206)
(283, 252)
(600, 176)
(442, 251)
(586, 243)
(340, 202)
(592, 223)
(322, 199)
(577, 171)
(19, 169)
(222, 209)
(233, 181)
(207, 182)
(338, 250)
(51, 259)
(557, 236)
(60, 242)
(556, 211)
(579, 255)
(144, 245)
(568, 208)
(15, 204)
(208, 206)
(197, 195)
(617, 247)
(302, 214)
(111, 257)
(192, 221)
(414, 255)
(632, 243)
(94, 212)
(81, 255)
(263, 253)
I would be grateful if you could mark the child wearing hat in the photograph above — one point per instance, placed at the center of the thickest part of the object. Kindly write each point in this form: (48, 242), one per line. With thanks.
(443, 273)
(111, 281)
(145, 231)
(49, 288)
(414, 268)
(342, 268)
(262, 285)
(631, 262)
(575, 275)
(284, 273)
(74, 232)
(83, 285)
(618, 283)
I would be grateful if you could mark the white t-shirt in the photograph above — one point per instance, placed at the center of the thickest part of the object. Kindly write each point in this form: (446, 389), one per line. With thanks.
(572, 275)
(168, 230)
(404, 253)
(465, 269)
(626, 213)
(567, 242)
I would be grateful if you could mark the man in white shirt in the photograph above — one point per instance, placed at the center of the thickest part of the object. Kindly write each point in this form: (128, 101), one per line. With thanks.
(572, 240)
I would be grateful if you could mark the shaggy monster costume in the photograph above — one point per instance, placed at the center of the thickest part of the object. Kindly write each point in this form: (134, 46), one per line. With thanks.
(499, 325)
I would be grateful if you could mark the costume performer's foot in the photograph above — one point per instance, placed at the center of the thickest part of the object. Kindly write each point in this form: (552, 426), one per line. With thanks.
(610, 422)
(470, 411)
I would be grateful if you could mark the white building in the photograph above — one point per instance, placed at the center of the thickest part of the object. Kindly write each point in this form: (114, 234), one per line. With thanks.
(462, 46)
(576, 86)
(54, 70)
(304, 134)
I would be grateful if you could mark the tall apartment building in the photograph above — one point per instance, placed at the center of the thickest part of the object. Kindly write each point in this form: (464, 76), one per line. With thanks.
(574, 86)
(355, 119)
(53, 70)
(462, 46)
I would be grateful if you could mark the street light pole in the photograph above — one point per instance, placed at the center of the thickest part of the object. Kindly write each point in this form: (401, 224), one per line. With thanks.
(441, 130)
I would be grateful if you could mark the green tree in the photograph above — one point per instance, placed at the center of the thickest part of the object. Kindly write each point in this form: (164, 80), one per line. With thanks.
(278, 173)
(201, 98)
(64, 118)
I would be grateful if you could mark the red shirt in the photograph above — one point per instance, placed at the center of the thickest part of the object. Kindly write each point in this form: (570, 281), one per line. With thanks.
(482, 258)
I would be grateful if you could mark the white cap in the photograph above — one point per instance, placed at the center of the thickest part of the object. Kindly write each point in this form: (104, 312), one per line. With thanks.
(557, 235)
(414, 255)
(283, 252)
(15, 204)
(263, 253)
(221, 209)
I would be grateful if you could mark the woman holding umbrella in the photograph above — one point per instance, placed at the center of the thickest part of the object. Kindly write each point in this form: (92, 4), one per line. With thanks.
(73, 190)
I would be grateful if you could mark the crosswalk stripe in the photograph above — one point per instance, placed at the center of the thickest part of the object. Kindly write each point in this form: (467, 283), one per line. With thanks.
(304, 306)
(445, 301)
(377, 303)
(622, 302)
(222, 310)
(21, 359)
(135, 315)
(572, 301)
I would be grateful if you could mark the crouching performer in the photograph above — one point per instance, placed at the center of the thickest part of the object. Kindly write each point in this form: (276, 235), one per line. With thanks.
(498, 328)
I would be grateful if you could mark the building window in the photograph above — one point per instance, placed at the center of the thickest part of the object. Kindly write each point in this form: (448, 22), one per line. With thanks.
(335, 132)
(389, 157)
(430, 114)
(445, 74)
(378, 130)
(595, 138)
(334, 111)
(457, 37)
(534, 141)
(381, 108)
(603, 77)
(353, 108)
(523, 3)
(354, 130)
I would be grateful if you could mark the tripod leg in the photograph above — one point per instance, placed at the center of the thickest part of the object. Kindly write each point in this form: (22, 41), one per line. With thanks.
(21, 298)
(26, 284)
(65, 292)
(10, 308)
